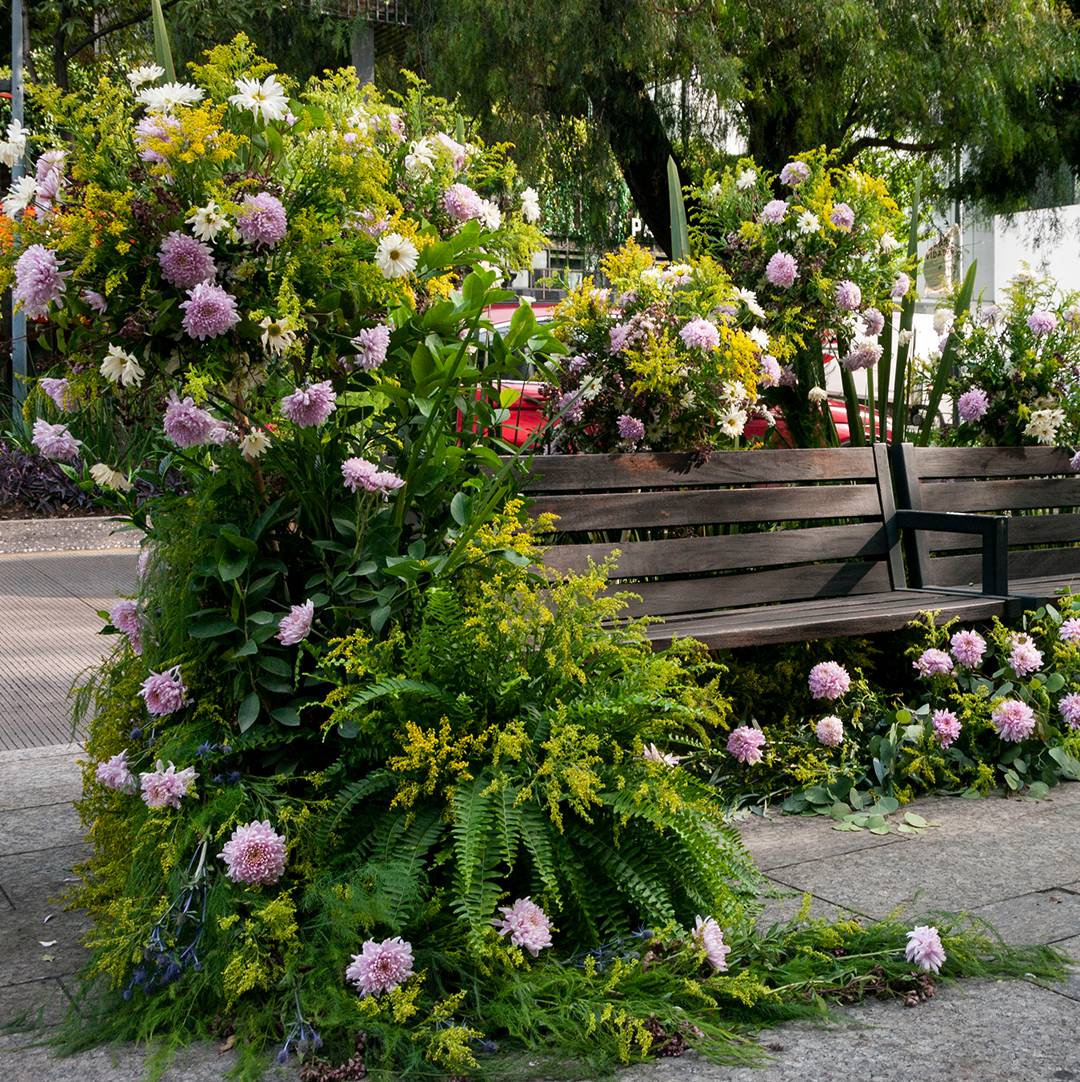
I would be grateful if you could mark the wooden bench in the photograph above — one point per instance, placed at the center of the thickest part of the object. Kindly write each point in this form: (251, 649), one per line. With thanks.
(753, 547)
(1035, 486)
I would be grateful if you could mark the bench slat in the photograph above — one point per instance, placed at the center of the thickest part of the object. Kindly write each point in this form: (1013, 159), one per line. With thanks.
(1000, 495)
(1023, 530)
(1023, 564)
(948, 462)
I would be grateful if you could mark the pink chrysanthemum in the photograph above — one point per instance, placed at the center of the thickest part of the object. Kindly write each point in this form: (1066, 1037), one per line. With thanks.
(618, 336)
(164, 692)
(782, 270)
(770, 371)
(924, 948)
(55, 441)
(652, 754)
(95, 301)
(794, 173)
(774, 211)
(164, 787)
(933, 663)
(311, 405)
(901, 286)
(830, 731)
(864, 353)
(156, 128)
(1042, 322)
(1024, 657)
(843, 217)
(972, 405)
(968, 648)
(873, 321)
(185, 261)
(848, 295)
(1013, 719)
(526, 924)
(114, 773)
(361, 474)
(49, 174)
(462, 203)
(630, 428)
(381, 967)
(946, 727)
(295, 625)
(59, 390)
(255, 854)
(186, 424)
(745, 744)
(262, 221)
(209, 311)
(828, 680)
(371, 345)
(709, 937)
(700, 334)
(124, 616)
(1070, 630)
(39, 281)
(1069, 708)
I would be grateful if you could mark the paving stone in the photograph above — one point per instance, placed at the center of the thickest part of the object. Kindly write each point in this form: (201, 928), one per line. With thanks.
(64, 535)
(779, 840)
(25, 958)
(788, 905)
(30, 830)
(34, 881)
(42, 1002)
(39, 780)
(1043, 917)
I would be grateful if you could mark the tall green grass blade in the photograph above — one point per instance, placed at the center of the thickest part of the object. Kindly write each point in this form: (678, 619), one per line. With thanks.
(680, 236)
(907, 318)
(884, 372)
(870, 405)
(854, 413)
(162, 48)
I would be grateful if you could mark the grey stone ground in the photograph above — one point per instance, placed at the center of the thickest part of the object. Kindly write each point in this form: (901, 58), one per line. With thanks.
(1015, 862)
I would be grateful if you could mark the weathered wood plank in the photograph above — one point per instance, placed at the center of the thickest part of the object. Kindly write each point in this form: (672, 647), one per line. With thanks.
(627, 510)
(1023, 564)
(1023, 530)
(948, 462)
(1000, 495)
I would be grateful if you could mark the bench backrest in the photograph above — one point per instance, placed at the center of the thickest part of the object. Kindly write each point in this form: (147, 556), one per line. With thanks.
(1035, 485)
(740, 528)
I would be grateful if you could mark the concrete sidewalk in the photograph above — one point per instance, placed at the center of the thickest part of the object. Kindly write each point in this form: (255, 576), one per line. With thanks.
(1014, 862)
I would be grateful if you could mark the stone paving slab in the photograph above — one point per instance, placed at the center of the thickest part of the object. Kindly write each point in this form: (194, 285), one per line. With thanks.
(53, 779)
(1042, 917)
(33, 830)
(25, 535)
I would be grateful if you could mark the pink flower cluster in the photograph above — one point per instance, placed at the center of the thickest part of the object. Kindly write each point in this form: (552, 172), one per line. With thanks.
(1070, 630)
(371, 345)
(710, 938)
(794, 173)
(618, 336)
(462, 203)
(156, 128)
(933, 663)
(946, 727)
(968, 648)
(55, 441)
(209, 311)
(361, 474)
(124, 616)
(526, 924)
(873, 321)
(700, 334)
(630, 428)
(39, 281)
(1013, 719)
(185, 261)
(295, 625)
(186, 424)
(381, 966)
(972, 405)
(59, 390)
(262, 222)
(848, 295)
(254, 855)
(1069, 708)
(774, 211)
(924, 948)
(164, 692)
(901, 286)
(1024, 657)
(164, 787)
(745, 744)
(843, 217)
(828, 680)
(114, 773)
(310, 406)
(864, 353)
(830, 731)
(1042, 322)
(782, 270)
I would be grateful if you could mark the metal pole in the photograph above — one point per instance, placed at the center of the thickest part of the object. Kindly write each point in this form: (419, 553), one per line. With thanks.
(18, 319)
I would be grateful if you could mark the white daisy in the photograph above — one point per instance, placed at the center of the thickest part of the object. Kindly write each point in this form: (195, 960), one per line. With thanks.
(169, 96)
(903, 338)
(20, 196)
(888, 243)
(266, 99)
(254, 444)
(492, 216)
(207, 222)
(421, 156)
(146, 73)
(107, 477)
(396, 255)
(733, 422)
(14, 146)
(121, 367)
(530, 205)
(749, 298)
(277, 337)
(760, 337)
(734, 390)
(746, 179)
(808, 222)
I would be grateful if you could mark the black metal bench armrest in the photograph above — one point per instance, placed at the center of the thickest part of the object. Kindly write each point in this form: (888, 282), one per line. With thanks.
(994, 530)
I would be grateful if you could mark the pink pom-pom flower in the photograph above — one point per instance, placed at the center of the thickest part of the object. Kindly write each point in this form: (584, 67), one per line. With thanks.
(380, 966)
(830, 731)
(115, 773)
(946, 727)
(933, 663)
(295, 625)
(254, 855)
(828, 680)
(526, 924)
(1013, 719)
(310, 406)
(745, 744)
(164, 787)
(968, 648)
(924, 948)
(164, 692)
(709, 937)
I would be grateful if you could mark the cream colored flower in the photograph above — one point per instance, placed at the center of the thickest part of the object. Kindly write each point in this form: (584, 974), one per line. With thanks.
(746, 179)
(120, 366)
(207, 222)
(107, 477)
(169, 96)
(20, 195)
(817, 394)
(733, 422)
(749, 298)
(254, 444)
(146, 73)
(807, 223)
(277, 336)
(266, 99)
(396, 256)
(530, 205)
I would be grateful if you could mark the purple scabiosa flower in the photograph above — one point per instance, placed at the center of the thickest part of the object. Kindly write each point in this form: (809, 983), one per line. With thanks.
(864, 353)
(55, 441)
(618, 336)
(164, 787)
(900, 286)
(371, 345)
(49, 174)
(209, 311)
(924, 948)
(526, 924)
(254, 855)
(745, 743)
(295, 625)
(972, 405)
(1070, 630)
(782, 270)
(843, 217)
(381, 966)
(774, 211)
(848, 295)
(462, 203)
(39, 281)
(360, 475)
(185, 261)
(830, 731)
(873, 321)
(95, 301)
(114, 773)
(794, 173)
(1013, 719)
(630, 428)
(1024, 657)
(946, 727)
(186, 424)
(770, 372)
(262, 220)
(1042, 322)
(1069, 708)
(787, 376)
(933, 663)
(164, 692)
(968, 648)
(59, 390)
(310, 406)
(828, 680)
(1074, 462)
(155, 128)
(124, 616)
(700, 334)
(709, 937)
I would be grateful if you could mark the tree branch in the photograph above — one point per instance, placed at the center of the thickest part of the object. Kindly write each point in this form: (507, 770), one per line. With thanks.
(868, 141)
(112, 28)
